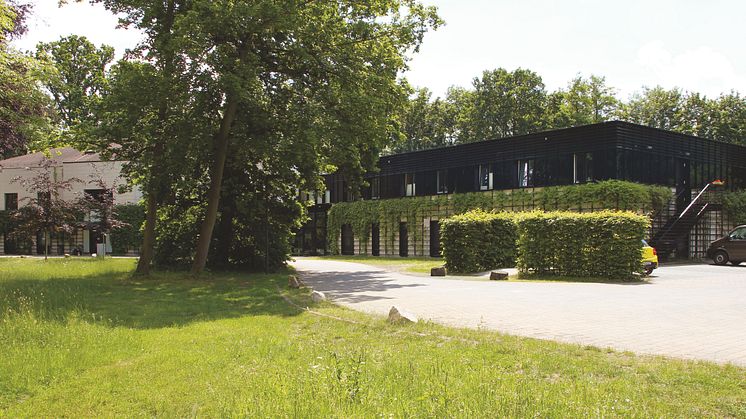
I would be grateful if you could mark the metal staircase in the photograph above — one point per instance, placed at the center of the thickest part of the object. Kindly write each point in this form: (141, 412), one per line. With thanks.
(676, 228)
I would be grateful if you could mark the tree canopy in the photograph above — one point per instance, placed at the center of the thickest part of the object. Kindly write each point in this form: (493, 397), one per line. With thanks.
(502, 103)
(25, 115)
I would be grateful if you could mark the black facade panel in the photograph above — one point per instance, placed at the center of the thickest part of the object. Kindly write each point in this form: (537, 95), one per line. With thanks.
(618, 150)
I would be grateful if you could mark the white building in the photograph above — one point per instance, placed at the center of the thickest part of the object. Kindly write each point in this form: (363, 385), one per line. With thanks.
(67, 163)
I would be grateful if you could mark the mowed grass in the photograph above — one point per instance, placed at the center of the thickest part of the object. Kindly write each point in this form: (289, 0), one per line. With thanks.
(84, 338)
(419, 265)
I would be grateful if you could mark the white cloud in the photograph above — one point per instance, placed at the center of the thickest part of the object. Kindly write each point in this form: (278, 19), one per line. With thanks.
(701, 69)
(49, 22)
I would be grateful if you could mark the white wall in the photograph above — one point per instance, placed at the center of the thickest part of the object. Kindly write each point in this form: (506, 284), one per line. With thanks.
(87, 172)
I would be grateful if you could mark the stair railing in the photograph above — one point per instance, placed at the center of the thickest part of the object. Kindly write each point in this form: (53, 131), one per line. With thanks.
(686, 210)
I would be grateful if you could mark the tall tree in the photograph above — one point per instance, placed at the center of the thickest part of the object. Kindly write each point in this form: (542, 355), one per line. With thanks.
(424, 123)
(508, 103)
(77, 76)
(728, 121)
(236, 61)
(144, 111)
(656, 107)
(586, 101)
(340, 56)
(25, 117)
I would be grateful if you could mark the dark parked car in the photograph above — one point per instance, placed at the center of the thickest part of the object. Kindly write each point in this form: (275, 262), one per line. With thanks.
(731, 248)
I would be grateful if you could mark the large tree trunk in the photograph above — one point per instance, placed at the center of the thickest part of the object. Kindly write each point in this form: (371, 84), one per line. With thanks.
(216, 182)
(148, 237)
(154, 188)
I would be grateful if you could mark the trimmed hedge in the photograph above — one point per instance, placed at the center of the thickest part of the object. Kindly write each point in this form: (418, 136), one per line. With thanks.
(604, 244)
(478, 241)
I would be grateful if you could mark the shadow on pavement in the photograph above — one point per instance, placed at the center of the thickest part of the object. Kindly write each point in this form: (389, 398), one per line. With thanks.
(347, 286)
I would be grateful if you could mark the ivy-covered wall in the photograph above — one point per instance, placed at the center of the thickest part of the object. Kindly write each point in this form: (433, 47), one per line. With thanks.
(734, 204)
(361, 215)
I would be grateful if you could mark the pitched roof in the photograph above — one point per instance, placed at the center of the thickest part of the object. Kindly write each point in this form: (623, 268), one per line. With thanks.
(57, 155)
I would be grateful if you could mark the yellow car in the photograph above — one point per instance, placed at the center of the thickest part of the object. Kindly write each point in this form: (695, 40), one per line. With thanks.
(649, 258)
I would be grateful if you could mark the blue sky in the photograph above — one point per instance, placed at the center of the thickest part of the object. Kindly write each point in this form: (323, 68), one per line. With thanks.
(695, 45)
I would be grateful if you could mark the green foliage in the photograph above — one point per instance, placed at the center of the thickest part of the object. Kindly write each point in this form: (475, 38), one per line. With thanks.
(503, 103)
(734, 204)
(76, 76)
(507, 103)
(603, 244)
(478, 241)
(129, 236)
(611, 194)
(25, 115)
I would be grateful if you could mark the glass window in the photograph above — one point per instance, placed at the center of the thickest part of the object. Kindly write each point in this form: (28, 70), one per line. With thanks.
(526, 173)
(739, 234)
(409, 185)
(442, 181)
(583, 167)
(11, 201)
(375, 188)
(485, 177)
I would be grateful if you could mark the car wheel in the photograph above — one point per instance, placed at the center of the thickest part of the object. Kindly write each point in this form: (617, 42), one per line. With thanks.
(648, 271)
(720, 257)
(735, 262)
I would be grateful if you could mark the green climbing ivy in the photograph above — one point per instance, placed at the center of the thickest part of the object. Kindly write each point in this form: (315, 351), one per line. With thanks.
(734, 204)
(606, 195)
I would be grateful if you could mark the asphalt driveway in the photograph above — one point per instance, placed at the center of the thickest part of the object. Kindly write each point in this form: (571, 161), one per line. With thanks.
(687, 311)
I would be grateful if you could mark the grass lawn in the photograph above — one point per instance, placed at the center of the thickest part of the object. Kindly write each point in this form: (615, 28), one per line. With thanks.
(84, 338)
(421, 265)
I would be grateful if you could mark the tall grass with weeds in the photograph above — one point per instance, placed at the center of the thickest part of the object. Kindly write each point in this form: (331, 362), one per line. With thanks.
(85, 338)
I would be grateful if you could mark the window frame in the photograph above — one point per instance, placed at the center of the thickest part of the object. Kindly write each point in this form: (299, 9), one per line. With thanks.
(441, 182)
(375, 188)
(526, 173)
(407, 190)
(485, 182)
(5, 202)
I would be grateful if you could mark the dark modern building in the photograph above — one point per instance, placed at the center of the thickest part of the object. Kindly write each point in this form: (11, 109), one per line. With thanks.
(610, 150)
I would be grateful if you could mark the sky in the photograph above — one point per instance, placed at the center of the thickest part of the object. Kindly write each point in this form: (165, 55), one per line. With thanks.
(695, 45)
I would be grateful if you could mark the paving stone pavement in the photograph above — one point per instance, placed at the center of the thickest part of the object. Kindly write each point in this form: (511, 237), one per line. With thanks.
(693, 311)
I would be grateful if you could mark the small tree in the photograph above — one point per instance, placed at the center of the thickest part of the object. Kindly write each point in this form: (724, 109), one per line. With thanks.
(48, 212)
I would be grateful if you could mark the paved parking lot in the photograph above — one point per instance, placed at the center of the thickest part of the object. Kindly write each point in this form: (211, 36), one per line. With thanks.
(687, 311)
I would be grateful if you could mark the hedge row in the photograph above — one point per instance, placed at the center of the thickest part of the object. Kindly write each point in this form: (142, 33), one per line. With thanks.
(478, 241)
(604, 244)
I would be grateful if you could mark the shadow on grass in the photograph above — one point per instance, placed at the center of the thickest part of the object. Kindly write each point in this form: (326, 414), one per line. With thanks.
(166, 299)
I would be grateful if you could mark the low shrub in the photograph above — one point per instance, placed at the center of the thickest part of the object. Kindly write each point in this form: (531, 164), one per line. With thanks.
(603, 244)
(129, 236)
(477, 241)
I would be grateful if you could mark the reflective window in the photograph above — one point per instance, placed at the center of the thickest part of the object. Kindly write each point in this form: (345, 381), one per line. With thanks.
(375, 188)
(583, 171)
(485, 177)
(409, 185)
(526, 173)
(442, 181)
